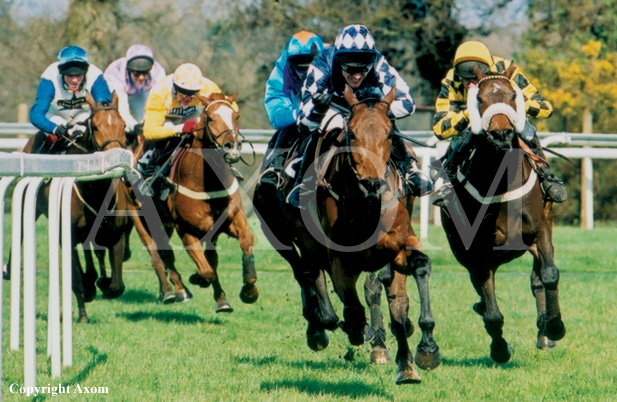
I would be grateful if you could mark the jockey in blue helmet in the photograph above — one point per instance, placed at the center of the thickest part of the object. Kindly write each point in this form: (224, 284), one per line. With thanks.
(355, 61)
(60, 108)
(282, 98)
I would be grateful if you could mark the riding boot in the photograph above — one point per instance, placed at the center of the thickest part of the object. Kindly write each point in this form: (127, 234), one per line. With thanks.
(552, 186)
(417, 182)
(273, 164)
(305, 183)
(454, 157)
(146, 166)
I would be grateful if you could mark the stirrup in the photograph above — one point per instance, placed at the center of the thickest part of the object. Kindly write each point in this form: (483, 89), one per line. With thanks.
(442, 195)
(419, 183)
(300, 190)
(555, 190)
(271, 176)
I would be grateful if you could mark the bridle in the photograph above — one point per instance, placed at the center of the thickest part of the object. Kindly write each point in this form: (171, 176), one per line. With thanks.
(89, 139)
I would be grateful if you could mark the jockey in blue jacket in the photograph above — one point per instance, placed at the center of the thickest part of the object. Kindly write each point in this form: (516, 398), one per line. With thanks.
(354, 61)
(282, 98)
(60, 108)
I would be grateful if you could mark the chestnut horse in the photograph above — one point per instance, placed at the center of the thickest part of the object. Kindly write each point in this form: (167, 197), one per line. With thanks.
(104, 131)
(204, 203)
(359, 222)
(494, 219)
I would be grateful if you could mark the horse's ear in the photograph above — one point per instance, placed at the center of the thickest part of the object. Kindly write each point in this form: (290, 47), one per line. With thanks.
(204, 99)
(510, 70)
(114, 100)
(232, 98)
(90, 100)
(349, 96)
(391, 96)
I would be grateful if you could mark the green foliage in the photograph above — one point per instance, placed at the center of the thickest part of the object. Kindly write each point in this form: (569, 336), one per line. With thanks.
(142, 350)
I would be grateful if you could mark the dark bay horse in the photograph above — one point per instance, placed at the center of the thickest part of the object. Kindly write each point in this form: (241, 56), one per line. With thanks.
(359, 222)
(104, 131)
(205, 202)
(495, 218)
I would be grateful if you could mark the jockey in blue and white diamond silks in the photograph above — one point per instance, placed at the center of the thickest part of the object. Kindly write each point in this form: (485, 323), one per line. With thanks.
(355, 61)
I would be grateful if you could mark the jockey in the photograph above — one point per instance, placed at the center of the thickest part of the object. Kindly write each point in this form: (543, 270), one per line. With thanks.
(354, 61)
(132, 77)
(172, 110)
(472, 61)
(282, 98)
(60, 108)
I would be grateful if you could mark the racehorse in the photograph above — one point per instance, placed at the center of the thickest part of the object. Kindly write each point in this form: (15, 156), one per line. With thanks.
(205, 202)
(493, 220)
(360, 222)
(104, 131)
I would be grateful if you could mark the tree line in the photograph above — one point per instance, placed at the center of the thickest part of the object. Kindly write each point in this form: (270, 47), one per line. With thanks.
(568, 50)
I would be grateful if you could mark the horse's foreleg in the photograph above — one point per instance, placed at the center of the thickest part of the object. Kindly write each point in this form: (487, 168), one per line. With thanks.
(554, 328)
(354, 324)
(372, 295)
(484, 284)
(537, 289)
(116, 259)
(78, 287)
(398, 302)
(427, 352)
(90, 276)
(166, 290)
(205, 275)
(239, 229)
(222, 305)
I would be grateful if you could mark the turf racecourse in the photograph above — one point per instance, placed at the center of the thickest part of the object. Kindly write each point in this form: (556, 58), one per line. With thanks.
(136, 349)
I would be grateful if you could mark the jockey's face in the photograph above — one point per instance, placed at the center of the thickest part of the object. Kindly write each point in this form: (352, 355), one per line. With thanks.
(139, 77)
(185, 97)
(73, 81)
(470, 82)
(354, 80)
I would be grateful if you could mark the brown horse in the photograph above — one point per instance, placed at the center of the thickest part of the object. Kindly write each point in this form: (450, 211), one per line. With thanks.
(494, 219)
(205, 203)
(104, 131)
(360, 222)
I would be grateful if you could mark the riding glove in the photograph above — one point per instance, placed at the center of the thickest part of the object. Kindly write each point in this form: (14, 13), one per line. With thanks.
(61, 131)
(321, 102)
(189, 127)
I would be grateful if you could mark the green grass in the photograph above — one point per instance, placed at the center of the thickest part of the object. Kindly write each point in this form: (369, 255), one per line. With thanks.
(143, 351)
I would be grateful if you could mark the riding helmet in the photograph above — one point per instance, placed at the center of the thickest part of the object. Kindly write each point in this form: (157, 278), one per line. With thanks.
(73, 60)
(355, 46)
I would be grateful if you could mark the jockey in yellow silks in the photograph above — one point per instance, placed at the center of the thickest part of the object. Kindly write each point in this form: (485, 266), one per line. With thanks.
(472, 61)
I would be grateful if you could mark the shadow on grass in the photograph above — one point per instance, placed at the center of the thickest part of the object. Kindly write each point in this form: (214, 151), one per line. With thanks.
(136, 297)
(340, 389)
(168, 316)
(484, 361)
(304, 364)
(97, 358)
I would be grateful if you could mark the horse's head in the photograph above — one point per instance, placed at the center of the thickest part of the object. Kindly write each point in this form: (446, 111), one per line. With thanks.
(368, 137)
(497, 107)
(105, 125)
(220, 121)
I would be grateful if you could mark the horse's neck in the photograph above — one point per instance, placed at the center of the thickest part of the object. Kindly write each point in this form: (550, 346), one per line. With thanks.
(497, 172)
(215, 172)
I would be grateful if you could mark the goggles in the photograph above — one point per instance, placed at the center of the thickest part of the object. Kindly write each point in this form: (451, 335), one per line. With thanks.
(138, 73)
(355, 68)
(185, 92)
(301, 68)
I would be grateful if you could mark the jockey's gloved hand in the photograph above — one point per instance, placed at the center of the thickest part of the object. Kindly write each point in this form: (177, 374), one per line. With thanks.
(189, 127)
(321, 102)
(61, 131)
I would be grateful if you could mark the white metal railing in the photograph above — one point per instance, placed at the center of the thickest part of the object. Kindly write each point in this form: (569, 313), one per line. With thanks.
(29, 171)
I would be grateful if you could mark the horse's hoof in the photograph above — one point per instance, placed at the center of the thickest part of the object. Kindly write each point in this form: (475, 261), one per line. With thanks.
(317, 339)
(184, 296)
(380, 355)
(167, 297)
(500, 351)
(554, 329)
(103, 284)
(83, 320)
(113, 292)
(544, 343)
(409, 375)
(427, 361)
(224, 307)
(249, 293)
(196, 279)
